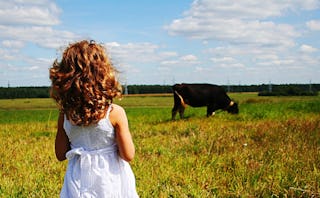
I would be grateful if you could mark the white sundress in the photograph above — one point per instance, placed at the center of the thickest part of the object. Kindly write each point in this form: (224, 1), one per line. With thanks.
(94, 167)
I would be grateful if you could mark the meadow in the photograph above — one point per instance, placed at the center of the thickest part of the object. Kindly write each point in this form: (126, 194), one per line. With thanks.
(271, 149)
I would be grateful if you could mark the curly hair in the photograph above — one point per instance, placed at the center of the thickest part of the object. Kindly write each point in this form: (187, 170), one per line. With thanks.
(84, 82)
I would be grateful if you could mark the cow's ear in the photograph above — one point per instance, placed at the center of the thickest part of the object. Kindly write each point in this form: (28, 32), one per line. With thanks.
(231, 103)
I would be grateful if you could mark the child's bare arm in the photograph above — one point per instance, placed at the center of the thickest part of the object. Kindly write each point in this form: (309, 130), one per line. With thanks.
(123, 136)
(62, 144)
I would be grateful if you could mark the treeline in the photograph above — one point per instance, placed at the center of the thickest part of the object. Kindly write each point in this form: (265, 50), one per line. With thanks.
(24, 92)
(263, 90)
(291, 90)
(147, 89)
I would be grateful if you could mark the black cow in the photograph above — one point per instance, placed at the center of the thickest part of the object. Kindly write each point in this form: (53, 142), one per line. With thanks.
(199, 95)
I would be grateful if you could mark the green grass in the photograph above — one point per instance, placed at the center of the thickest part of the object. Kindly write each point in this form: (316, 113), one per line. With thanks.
(271, 149)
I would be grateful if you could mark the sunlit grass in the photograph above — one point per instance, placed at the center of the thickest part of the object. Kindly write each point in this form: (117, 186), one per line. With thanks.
(272, 148)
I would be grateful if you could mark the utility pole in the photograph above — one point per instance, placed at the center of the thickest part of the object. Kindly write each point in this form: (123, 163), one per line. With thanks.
(310, 86)
(270, 87)
(125, 89)
(173, 80)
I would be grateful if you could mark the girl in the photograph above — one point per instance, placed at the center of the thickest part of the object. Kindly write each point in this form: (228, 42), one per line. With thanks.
(93, 133)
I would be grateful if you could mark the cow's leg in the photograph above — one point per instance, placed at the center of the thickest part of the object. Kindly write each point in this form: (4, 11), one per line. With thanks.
(174, 111)
(181, 111)
(179, 105)
(210, 111)
(177, 108)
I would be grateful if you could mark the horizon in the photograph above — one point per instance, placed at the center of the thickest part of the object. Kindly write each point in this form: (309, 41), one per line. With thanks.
(238, 85)
(166, 42)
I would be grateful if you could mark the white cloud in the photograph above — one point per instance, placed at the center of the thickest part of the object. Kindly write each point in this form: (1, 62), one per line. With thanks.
(203, 69)
(314, 25)
(227, 62)
(247, 36)
(241, 22)
(147, 54)
(43, 36)
(189, 58)
(223, 59)
(169, 62)
(307, 4)
(143, 60)
(30, 21)
(308, 49)
(168, 54)
(247, 9)
(27, 32)
(12, 44)
(43, 12)
(135, 60)
(133, 52)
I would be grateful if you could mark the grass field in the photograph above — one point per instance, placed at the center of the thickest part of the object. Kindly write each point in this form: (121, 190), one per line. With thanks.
(271, 149)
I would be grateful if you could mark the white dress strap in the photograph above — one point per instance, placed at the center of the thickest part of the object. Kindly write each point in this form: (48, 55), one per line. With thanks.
(108, 111)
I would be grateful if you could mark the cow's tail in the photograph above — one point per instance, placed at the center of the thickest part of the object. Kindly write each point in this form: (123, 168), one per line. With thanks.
(181, 99)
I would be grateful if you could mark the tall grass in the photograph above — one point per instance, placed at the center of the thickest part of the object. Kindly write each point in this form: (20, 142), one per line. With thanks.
(271, 149)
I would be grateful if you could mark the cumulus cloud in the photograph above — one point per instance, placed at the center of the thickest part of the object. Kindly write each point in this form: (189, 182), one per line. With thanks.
(136, 58)
(227, 62)
(314, 25)
(146, 53)
(12, 44)
(246, 34)
(29, 24)
(169, 62)
(247, 9)
(189, 58)
(308, 48)
(24, 21)
(143, 59)
(43, 12)
(238, 22)
(44, 36)
(140, 61)
(133, 52)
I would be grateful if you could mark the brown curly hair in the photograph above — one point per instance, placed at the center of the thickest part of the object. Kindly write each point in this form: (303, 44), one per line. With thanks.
(84, 82)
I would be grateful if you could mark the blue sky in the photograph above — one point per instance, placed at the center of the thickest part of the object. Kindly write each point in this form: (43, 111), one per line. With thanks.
(165, 42)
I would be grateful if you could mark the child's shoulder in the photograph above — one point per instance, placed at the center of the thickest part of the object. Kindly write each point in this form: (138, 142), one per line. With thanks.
(117, 108)
(117, 114)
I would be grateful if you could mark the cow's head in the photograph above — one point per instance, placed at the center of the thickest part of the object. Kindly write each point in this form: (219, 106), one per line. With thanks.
(233, 108)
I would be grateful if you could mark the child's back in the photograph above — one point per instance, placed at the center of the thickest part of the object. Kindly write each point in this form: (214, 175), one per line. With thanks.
(95, 168)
